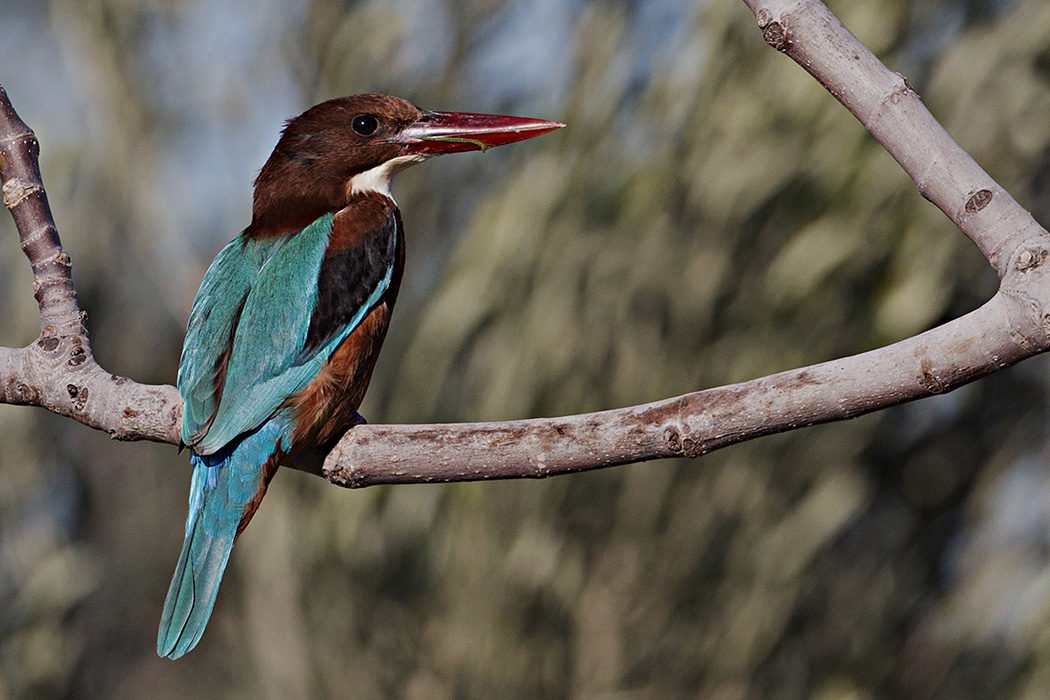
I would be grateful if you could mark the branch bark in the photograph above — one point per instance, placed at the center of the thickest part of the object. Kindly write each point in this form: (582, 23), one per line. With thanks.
(59, 373)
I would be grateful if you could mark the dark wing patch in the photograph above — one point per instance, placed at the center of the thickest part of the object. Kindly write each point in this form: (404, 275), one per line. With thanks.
(347, 279)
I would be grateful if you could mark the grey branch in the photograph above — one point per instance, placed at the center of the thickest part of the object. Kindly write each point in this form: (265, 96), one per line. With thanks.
(59, 373)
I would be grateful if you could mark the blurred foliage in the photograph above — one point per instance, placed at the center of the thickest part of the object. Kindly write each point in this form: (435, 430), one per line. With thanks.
(709, 216)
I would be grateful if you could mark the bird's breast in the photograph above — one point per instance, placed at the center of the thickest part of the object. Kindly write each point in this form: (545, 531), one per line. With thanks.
(323, 409)
(365, 254)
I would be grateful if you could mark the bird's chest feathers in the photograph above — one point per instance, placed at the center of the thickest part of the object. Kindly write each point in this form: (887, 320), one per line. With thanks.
(356, 289)
(325, 406)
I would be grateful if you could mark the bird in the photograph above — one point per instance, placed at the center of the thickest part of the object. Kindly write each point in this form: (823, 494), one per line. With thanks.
(285, 329)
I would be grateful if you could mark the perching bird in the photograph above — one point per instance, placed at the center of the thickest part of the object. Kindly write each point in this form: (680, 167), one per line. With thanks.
(290, 317)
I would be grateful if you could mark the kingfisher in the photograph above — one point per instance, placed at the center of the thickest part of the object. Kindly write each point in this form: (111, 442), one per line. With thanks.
(290, 317)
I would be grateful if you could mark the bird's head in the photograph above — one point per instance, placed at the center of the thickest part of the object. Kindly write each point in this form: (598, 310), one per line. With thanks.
(356, 144)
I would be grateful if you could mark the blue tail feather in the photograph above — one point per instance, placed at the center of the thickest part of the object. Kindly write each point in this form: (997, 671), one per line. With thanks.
(223, 485)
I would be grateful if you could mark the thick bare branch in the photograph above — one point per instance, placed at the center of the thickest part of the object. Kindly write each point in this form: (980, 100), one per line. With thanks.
(1010, 327)
(58, 371)
(934, 362)
(885, 103)
(127, 410)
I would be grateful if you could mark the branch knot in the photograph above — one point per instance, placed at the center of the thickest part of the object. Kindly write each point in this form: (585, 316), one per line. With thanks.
(684, 446)
(1031, 258)
(17, 190)
(978, 201)
(775, 36)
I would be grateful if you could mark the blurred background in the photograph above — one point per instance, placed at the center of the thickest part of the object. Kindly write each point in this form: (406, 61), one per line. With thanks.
(710, 215)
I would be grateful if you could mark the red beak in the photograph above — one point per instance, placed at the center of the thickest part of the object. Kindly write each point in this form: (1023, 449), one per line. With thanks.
(454, 132)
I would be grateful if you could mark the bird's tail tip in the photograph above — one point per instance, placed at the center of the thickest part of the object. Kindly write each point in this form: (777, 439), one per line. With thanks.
(191, 596)
(224, 493)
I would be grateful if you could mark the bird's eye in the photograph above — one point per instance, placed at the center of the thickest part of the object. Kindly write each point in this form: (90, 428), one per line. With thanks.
(364, 124)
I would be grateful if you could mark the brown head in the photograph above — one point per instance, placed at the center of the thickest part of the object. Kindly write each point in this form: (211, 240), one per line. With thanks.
(356, 144)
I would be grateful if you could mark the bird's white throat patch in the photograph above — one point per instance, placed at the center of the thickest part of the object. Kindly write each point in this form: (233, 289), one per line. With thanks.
(378, 178)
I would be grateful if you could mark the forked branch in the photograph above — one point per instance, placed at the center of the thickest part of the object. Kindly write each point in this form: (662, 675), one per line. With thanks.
(59, 373)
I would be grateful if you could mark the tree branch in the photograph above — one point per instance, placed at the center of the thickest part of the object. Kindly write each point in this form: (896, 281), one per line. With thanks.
(885, 103)
(59, 373)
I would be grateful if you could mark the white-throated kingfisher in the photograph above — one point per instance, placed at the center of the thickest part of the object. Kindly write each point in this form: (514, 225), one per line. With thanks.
(290, 317)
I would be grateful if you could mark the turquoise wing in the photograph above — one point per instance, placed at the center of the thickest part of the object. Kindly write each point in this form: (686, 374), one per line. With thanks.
(247, 326)
(209, 334)
(247, 355)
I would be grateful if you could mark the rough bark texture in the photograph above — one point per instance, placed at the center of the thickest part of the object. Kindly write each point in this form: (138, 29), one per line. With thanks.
(59, 373)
